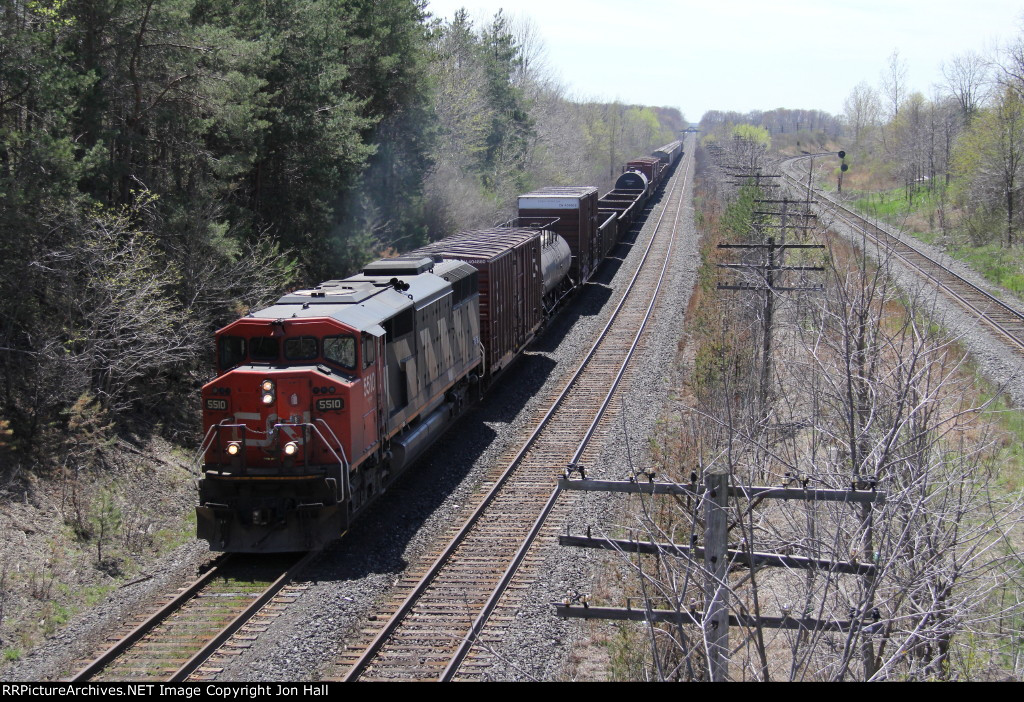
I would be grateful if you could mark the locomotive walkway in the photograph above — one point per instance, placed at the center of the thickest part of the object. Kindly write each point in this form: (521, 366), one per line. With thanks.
(439, 624)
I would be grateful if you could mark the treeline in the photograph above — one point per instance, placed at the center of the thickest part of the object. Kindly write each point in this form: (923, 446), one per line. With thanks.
(167, 164)
(504, 127)
(813, 125)
(963, 145)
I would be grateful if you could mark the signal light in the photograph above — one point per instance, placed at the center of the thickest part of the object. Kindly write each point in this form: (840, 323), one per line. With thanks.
(269, 388)
(291, 448)
(234, 448)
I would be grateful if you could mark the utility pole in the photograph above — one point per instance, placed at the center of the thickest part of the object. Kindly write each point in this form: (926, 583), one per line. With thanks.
(712, 495)
(771, 288)
(716, 567)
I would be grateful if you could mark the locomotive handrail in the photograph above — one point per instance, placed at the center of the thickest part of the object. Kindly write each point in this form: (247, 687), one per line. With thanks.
(344, 477)
(342, 460)
(334, 436)
(208, 441)
(197, 460)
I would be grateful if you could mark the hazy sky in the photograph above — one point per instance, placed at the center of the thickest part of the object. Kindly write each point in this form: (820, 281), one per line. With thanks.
(743, 55)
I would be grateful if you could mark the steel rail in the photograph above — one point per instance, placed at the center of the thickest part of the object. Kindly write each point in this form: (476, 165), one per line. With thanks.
(952, 292)
(370, 652)
(150, 623)
(506, 578)
(176, 604)
(893, 243)
(222, 636)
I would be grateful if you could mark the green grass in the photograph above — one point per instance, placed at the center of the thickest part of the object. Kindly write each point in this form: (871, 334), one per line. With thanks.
(894, 206)
(54, 616)
(628, 653)
(1001, 266)
(998, 265)
(12, 654)
(1010, 454)
(87, 596)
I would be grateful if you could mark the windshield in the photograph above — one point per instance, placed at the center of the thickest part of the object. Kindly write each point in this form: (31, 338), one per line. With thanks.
(341, 350)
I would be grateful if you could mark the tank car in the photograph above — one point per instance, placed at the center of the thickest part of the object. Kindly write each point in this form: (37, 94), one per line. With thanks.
(632, 180)
(651, 167)
(324, 398)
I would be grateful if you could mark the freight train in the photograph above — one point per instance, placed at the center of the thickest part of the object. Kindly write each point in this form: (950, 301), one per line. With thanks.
(322, 399)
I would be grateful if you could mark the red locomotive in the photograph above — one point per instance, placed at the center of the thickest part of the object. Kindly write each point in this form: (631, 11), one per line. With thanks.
(324, 398)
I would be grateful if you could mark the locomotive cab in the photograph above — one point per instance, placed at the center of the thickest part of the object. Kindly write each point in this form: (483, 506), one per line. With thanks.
(295, 407)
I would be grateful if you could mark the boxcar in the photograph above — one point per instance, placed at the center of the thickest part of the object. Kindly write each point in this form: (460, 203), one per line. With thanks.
(509, 266)
(669, 154)
(575, 214)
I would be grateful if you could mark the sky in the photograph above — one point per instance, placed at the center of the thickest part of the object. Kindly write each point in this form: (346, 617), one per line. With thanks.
(744, 55)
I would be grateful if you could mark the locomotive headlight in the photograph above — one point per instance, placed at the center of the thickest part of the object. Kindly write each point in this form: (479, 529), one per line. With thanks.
(234, 448)
(291, 448)
(268, 387)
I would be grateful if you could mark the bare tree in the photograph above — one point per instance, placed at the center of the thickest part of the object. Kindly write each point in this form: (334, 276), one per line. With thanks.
(894, 83)
(967, 78)
(1010, 66)
(862, 109)
(991, 154)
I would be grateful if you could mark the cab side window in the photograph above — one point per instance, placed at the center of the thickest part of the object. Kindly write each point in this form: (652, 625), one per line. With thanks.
(369, 351)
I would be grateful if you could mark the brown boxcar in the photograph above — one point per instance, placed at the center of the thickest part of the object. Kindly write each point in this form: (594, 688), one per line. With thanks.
(508, 262)
(575, 212)
(648, 165)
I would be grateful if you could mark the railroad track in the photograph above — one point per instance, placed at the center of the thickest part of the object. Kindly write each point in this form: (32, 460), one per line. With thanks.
(1006, 321)
(171, 644)
(442, 611)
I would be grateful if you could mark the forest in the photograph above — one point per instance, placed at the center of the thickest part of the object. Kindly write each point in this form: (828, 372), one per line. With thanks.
(166, 165)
